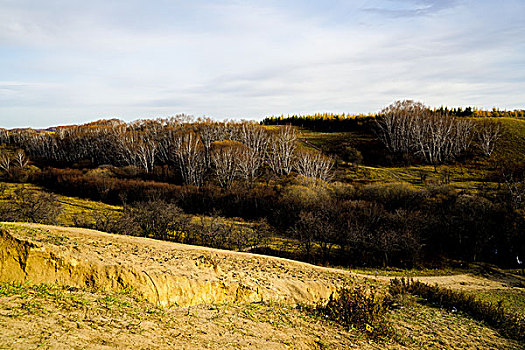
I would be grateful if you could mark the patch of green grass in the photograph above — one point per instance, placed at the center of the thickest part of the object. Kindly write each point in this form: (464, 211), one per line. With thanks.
(512, 300)
(458, 176)
(114, 301)
(8, 289)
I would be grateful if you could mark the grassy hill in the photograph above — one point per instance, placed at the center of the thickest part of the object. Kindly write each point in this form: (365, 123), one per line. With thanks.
(463, 174)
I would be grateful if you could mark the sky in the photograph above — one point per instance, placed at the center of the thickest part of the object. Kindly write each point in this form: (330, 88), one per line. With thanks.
(69, 62)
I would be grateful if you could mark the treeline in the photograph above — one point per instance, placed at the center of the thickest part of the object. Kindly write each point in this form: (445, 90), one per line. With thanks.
(163, 170)
(198, 151)
(395, 224)
(391, 224)
(325, 121)
(365, 122)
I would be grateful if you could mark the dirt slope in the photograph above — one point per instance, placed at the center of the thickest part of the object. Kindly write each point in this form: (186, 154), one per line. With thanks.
(124, 283)
(162, 272)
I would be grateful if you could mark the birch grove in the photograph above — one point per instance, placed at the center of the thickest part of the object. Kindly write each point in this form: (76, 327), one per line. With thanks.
(198, 150)
(410, 128)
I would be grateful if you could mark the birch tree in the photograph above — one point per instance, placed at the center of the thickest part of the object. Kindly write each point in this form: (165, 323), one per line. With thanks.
(255, 139)
(225, 156)
(488, 133)
(190, 158)
(281, 150)
(313, 165)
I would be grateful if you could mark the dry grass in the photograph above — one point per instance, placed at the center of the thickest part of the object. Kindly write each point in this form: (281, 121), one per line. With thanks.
(493, 313)
(72, 206)
(49, 316)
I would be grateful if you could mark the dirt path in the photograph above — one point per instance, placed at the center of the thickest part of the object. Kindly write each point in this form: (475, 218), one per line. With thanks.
(467, 282)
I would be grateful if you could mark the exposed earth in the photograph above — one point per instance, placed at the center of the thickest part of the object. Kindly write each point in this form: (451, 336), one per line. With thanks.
(132, 292)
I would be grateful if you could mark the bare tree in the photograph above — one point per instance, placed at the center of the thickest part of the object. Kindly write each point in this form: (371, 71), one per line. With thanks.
(127, 143)
(20, 159)
(146, 150)
(33, 206)
(409, 127)
(462, 136)
(397, 124)
(250, 161)
(4, 136)
(5, 162)
(313, 165)
(432, 137)
(488, 133)
(224, 157)
(190, 158)
(282, 147)
(209, 132)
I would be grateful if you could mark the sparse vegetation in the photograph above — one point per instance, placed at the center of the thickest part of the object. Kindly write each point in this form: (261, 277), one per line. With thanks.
(494, 314)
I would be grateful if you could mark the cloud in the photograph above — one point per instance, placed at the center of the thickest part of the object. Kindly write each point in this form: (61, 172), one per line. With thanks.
(71, 61)
(411, 8)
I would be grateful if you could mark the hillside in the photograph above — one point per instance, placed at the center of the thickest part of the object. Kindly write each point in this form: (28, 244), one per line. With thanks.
(163, 273)
(129, 291)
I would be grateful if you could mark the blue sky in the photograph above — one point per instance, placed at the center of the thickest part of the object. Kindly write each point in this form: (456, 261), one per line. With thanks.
(65, 62)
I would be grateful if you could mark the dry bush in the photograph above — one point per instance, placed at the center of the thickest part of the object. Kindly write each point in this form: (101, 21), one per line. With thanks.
(31, 206)
(158, 219)
(393, 195)
(362, 307)
(217, 232)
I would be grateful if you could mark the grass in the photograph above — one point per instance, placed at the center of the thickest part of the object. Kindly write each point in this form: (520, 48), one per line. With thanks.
(72, 206)
(512, 300)
(512, 144)
(65, 296)
(494, 314)
(415, 272)
(419, 326)
(468, 175)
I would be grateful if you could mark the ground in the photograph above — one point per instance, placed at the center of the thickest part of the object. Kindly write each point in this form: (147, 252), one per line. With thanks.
(45, 314)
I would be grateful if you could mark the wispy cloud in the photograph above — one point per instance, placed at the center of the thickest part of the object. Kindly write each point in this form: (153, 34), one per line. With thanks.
(71, 61)
(411, 8)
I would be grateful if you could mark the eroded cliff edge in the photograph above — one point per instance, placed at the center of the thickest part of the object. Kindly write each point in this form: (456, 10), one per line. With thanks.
(162, 272)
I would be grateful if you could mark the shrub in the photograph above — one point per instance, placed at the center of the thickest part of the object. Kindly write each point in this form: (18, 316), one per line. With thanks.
(158, 219)
(362, 307)
(393, 195)
(31, 206)
(218, 232)
(107, 220)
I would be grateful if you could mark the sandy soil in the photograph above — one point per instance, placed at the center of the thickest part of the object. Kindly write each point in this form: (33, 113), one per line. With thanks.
(176, 273)
(220, 288)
